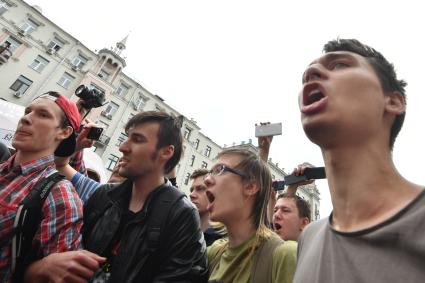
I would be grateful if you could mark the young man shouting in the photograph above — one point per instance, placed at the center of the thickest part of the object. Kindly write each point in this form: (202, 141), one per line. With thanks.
(353, 106)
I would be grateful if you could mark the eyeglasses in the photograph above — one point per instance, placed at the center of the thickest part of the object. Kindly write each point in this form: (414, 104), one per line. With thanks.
(221, 168)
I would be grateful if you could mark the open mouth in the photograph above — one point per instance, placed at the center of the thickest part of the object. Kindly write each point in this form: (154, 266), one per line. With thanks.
(277, 226)
(314, 96)
(210, 196)
(314, 99)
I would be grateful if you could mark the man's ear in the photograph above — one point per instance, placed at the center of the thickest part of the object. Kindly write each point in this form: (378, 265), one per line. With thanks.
(167, 152)
(304, 222)
(64, 133)
(395, 103)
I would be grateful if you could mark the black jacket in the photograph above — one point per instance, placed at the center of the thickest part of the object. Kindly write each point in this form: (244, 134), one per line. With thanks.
(181, 254)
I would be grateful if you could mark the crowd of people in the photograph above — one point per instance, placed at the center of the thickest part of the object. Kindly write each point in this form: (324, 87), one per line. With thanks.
(59, 225)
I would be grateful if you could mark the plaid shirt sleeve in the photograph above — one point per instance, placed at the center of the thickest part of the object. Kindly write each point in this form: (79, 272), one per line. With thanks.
(60, 228)
(77, 162)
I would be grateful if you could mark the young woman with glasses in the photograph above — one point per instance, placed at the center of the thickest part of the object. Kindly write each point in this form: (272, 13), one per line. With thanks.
(238, 189)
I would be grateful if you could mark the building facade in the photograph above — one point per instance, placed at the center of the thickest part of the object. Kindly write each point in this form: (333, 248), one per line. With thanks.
(42, 57)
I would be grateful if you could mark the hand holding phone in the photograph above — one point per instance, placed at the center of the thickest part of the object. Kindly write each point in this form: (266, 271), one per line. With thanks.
(94, 133)
(309, 173)
(268, 130)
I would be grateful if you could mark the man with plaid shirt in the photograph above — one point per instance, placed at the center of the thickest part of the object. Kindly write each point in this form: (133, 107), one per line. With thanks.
(49, 121)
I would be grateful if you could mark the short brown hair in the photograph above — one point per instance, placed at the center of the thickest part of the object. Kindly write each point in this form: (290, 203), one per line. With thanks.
(169, 133)
(302, 205)
(198, 173)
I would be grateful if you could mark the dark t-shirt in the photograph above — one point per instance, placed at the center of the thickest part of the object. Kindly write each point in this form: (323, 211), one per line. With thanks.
(392, 251)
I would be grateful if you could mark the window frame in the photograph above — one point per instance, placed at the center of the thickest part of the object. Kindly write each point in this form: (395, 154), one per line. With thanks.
(79, 61)
(41, 65)
(66, 82)
(30, 26)
(208, 150)
(20, 83)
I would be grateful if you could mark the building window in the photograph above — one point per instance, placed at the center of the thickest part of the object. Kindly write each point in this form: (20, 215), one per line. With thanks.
(187, 132)
(39, 63)
(192, 160)
(196, 143)
(21, 85)
(104, 74)
(4, 7)
(55, 45)
(122, 90)
(204, 165)
(121, 139)
(14, 44)
(29, 26)
(79, 61)
(208, 151)
(187, 178)
(110, 110)
(113, 160)
(65, 80)
(139, 102)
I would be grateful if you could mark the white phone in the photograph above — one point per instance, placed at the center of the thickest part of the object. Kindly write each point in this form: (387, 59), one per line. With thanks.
(274, 129)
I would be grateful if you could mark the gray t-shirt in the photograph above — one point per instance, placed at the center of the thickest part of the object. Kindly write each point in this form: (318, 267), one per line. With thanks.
(392, 251)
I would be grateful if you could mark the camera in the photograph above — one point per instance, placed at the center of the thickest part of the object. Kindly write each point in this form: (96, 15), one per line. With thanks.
(90, 98)
(94, 133)
(278, 185)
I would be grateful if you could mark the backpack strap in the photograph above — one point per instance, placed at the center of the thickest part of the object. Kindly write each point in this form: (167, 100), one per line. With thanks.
(160, 210)
(27, 221)
(263, 260)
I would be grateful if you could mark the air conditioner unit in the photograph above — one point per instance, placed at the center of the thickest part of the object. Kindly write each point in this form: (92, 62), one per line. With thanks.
(109, 116)
(75, 67)
(18, 94)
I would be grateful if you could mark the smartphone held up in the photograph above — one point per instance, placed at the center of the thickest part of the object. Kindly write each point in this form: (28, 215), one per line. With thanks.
(94, 133)
(264, 130)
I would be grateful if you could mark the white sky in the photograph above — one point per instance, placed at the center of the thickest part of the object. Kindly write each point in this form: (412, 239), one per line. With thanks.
(229, 64)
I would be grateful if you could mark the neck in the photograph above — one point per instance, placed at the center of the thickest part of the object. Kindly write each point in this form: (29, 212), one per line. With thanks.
(22, 157)
(365, 186)
(240, 231)
(142, 187)
(205, 220)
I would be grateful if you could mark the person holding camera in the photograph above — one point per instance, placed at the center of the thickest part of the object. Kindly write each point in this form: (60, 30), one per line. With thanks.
(88, 99)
